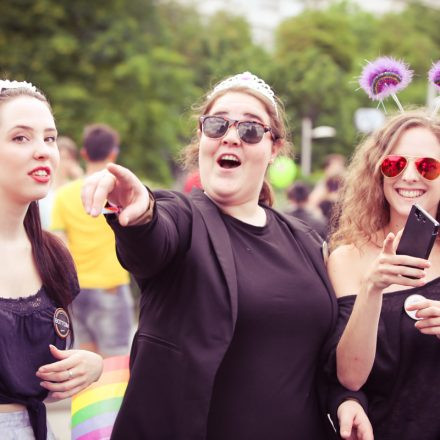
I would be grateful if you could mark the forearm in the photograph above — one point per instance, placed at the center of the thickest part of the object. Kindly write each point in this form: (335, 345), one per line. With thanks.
(356, 349)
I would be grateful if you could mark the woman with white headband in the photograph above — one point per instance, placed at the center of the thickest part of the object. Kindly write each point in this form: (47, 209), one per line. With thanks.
(37, 274)
(236, 308)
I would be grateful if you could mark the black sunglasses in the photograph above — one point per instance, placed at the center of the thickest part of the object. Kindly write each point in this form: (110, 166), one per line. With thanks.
(250, 132)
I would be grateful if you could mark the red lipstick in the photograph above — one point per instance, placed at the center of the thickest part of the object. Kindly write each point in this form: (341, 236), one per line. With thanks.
(41, 174)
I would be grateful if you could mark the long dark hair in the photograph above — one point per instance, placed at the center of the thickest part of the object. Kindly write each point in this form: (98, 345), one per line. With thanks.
(52, 259)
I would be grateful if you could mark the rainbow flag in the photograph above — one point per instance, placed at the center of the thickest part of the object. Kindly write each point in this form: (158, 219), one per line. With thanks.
(94, 409)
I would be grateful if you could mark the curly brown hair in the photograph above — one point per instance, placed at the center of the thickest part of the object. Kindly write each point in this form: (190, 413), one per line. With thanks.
(362, 210)
(189, 155)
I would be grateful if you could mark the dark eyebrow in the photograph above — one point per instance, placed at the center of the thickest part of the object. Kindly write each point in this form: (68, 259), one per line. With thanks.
(25, 127)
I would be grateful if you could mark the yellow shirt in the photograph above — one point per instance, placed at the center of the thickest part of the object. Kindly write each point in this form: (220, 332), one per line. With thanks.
(90, 239)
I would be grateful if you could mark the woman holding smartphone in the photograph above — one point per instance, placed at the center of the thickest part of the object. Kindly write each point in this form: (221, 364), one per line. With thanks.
(388, 345)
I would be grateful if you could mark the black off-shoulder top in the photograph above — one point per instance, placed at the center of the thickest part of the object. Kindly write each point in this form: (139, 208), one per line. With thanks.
(26, 330)
(403, 388)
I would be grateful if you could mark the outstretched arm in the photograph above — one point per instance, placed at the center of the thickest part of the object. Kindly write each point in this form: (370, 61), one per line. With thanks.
(120, 187)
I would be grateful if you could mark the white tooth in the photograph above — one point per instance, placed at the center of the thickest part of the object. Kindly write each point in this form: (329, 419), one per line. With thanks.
(40, 173)
(410, 193)
(229, 157)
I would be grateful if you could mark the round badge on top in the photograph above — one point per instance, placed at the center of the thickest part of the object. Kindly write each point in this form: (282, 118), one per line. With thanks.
(413, 299)
(61, 323)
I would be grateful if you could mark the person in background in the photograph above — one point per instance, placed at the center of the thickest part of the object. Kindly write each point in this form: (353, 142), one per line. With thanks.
(298, 196)
(103, 311)
(68, 169)
(37, 274)
(328, 204)
(236, 308)
(192, 181)
(388, 347)
(334, 167)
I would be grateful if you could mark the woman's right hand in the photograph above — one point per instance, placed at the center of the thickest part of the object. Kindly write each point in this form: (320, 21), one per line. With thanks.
(353, 421)
(389, 268)
(120, 187)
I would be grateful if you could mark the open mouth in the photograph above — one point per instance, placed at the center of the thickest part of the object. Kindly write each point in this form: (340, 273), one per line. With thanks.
(410, 193)
(40, 173)
(228, 161)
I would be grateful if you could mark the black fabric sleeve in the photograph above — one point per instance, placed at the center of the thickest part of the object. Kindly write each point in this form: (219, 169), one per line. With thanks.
(337, 393)
(147, 249)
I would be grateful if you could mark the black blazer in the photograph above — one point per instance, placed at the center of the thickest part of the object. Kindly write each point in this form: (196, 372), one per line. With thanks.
(183, 263)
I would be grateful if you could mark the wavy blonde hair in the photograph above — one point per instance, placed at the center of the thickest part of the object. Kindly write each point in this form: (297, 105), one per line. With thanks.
(189, 155)
(362, 209)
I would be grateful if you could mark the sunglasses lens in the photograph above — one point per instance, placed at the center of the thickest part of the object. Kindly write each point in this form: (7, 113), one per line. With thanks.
(250, 132)
(428, 168)
(392, 166)
(214, 126)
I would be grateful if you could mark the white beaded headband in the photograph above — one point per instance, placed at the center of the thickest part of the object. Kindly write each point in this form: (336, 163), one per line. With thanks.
(248, 80)
(5, 84)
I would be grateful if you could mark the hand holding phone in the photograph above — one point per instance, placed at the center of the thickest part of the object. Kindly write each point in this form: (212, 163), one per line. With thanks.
(419, 234)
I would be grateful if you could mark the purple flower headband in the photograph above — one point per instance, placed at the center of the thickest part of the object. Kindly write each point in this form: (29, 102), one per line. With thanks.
(386, 76)
(434, 77)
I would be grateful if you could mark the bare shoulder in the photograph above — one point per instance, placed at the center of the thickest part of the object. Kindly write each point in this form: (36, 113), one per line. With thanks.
(345, 254)
(345, 269)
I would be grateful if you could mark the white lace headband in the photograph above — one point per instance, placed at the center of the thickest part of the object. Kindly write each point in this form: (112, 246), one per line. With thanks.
(248, 80)
(5, 84)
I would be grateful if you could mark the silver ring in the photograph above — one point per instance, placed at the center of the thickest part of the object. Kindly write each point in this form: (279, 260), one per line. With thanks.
(70, 374)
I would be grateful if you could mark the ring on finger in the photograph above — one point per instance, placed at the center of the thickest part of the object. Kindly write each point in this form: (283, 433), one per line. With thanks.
(70, 374)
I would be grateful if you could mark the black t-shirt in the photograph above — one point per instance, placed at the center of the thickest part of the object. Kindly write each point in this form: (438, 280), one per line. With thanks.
(265, 386)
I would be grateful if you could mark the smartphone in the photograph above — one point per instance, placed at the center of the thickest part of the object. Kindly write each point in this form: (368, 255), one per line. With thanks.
(419, 234)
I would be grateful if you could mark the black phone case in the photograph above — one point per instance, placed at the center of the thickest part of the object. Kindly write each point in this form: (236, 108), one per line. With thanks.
(419, 234)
